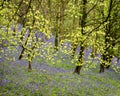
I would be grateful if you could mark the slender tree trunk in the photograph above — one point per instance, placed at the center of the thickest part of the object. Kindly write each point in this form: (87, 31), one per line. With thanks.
(102, 68)
(23, 48)
(30, 57)
(56, 41)
(103, 62)
(49, 6)
(109, 61)
(59, 24)
(22, 53)
(107, 55)
(77, 69)
(106, 61)
(80, 60)
(29, 66)
(24, 10)
(56, 35)
(82, 24)
(31, 54)
(74, 47)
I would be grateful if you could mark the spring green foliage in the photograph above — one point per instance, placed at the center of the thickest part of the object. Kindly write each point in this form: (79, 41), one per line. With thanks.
(60, 19)
(33, 29)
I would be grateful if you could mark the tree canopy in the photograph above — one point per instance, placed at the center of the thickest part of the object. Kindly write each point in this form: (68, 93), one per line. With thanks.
(43, 27)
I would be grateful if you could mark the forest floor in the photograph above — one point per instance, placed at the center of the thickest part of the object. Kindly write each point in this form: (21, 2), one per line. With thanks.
(55, 80)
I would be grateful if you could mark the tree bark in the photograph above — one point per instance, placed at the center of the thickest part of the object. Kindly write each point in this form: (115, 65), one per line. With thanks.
(109, 60)
(82, 24)
(80, 60)
(21, 54)
(57, 31)
(23, 49)
(29, 66)
(102, 68)
(106, 61)
(77, 69)
(74, 47)
(107, 55)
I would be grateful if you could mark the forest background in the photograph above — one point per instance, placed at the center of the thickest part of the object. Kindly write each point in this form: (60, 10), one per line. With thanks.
(75, 35)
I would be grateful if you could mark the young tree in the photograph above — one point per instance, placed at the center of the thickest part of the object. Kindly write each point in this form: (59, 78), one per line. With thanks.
(110, 37)
(82, 23)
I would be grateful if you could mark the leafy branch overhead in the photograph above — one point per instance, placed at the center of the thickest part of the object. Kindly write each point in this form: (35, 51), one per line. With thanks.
(46, 28)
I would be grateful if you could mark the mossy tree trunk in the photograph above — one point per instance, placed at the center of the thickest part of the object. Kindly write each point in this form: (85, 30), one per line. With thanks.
(23, 47)
(102, 68)
(24, 9)
(109, 44)
(57, 33)
(30, 57)
(74, 47)
(59, 28)
(80, 60)
(29, 66)
(77, 69)
(82, 24)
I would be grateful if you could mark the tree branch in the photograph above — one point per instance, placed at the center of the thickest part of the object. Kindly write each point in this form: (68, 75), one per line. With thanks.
(108, 16)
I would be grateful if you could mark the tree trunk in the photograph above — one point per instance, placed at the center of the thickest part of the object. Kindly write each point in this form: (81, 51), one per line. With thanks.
(105, 64)
(23, 50)
(57, 32)
(80, 61)
(82, 24)
(77, 69)
(74, 47)
(107, 55)
(21, 54)
(102, 68)
(75, 43)
(29, 66)
(56, 41)
(109, 60)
